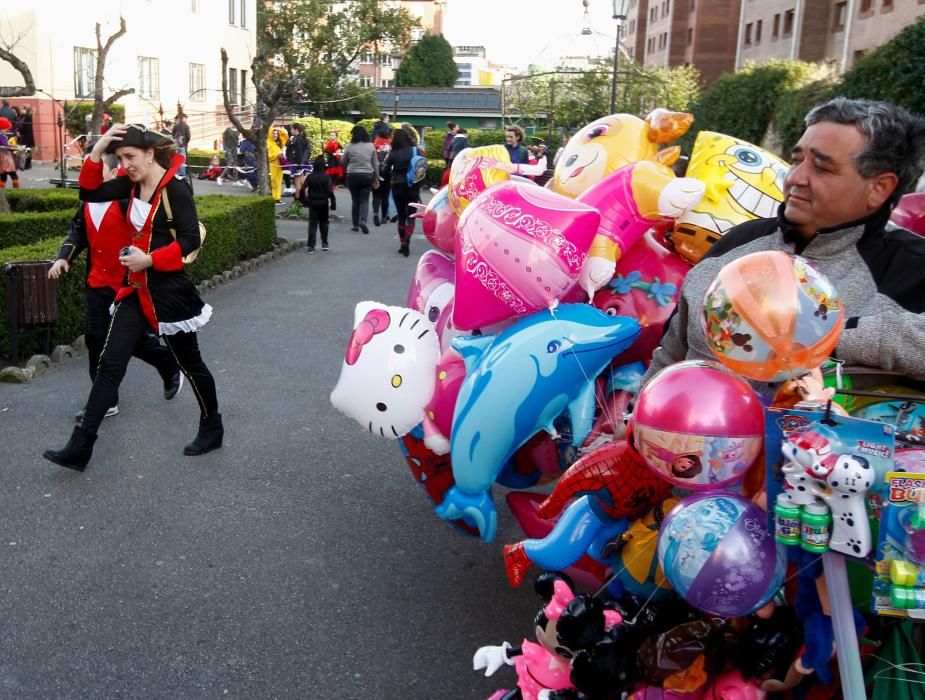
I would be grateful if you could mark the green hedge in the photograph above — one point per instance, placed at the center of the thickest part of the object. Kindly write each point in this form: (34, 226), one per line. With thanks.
(35, 200)
(30, 227)
(239, 228)
(201, 157)
(77, 113)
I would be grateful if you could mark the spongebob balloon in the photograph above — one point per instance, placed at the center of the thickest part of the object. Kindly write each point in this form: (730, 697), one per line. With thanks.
(743, 182)
(609, 143)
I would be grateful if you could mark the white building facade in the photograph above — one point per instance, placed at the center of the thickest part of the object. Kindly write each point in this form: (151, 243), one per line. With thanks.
(170, 54)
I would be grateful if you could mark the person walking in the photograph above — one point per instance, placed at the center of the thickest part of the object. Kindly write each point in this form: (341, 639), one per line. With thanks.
(362, 167)
(316, 192)
(276, 145)
(101, 229)
(298, 152)
(382, 128)
(395, 170)
(181, 136)
(230, 146)
(382, 193)
(157, 293)
(448, 137)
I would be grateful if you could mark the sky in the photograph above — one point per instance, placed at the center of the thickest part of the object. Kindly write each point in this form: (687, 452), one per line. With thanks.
(517, 32)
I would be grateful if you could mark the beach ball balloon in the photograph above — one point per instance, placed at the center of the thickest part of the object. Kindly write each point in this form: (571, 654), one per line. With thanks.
(718, 554)
(770, 316)
(697, 425)
(519, 249)
(470, 174)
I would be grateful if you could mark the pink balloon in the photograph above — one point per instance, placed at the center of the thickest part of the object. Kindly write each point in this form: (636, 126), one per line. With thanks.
(439, 221)
(451, 371)
(910, 212)
(519, 249)
(698, 425)
(434, 269)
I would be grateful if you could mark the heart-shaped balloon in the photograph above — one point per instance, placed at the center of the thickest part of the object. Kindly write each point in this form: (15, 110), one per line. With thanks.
(519, 248)
(439, 221)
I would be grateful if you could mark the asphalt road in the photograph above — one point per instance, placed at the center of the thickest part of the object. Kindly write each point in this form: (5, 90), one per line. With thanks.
(299, 561)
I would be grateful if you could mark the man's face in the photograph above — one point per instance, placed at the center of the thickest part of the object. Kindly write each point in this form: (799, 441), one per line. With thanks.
(511, 138)
(823, 187)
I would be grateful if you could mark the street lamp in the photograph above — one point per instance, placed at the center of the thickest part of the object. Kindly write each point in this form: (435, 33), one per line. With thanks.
(619, 16)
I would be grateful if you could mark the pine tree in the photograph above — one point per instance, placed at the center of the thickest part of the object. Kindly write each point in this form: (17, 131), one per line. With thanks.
(428, 64)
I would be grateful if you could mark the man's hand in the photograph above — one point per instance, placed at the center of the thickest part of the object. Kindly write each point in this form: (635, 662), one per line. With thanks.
(59, 267)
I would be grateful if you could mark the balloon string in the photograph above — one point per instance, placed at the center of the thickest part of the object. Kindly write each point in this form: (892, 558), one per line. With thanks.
(649, 599)
(912, 667)
(617, 573)
(602, 404)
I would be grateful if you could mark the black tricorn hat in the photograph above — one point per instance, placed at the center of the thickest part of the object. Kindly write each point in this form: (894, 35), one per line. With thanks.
(139, 136)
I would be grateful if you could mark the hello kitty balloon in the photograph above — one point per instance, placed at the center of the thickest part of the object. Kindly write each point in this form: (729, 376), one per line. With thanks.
(389, 371)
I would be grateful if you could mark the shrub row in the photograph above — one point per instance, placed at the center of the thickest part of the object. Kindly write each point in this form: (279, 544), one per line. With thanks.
(239, 228)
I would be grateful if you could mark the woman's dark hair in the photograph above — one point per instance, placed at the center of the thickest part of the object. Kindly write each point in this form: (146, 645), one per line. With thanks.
(359, 134)
(401, 139)
(318, 165)
(163, 154)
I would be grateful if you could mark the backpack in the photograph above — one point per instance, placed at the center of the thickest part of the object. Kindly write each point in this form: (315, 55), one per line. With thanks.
(417, 167)
(187, 259)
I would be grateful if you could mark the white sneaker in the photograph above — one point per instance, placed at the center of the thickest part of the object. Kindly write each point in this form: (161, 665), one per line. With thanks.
(239, 183)
(113, 411)
(219, 181)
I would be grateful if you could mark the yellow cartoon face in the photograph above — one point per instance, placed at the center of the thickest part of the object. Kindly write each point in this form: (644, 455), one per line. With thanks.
(743, 182)
(600, 148)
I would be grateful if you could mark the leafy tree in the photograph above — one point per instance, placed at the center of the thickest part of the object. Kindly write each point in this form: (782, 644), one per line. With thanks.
(429, 63)
(895, 72)
(305, 53)
(793, 105)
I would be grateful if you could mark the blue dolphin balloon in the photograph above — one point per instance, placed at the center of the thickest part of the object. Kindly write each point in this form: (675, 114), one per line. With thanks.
(516, 384)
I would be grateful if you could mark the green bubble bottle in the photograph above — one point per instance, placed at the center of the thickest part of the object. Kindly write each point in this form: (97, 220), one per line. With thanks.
(815, 528)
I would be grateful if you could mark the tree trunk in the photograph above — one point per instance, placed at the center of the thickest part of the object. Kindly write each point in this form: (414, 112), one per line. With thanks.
(100, 105)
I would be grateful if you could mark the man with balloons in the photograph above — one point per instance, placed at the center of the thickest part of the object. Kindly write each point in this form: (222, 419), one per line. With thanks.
(496, 371)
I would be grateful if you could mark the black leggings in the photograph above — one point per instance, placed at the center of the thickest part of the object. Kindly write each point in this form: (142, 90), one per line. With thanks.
(381, 199)
(404, 196)
(148, 349)
(14, 175)
(360, 185)
(317, 218)
(127, 326)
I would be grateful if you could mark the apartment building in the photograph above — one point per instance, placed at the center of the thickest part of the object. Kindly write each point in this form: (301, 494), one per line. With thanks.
(170, 53)
(669, 33)
(815, 30)
(379, 63)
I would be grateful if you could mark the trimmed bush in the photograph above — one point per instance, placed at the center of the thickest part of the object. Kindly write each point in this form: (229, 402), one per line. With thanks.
(200, 158)
(316, 137)
(34, 200)
(77, 113)
(30, 227)
(791, 110)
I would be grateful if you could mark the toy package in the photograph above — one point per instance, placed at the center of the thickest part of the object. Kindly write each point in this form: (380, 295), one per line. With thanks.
(899, 585)
(826, 479)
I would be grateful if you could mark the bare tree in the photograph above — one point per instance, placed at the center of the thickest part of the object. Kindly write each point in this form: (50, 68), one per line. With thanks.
(101, 105)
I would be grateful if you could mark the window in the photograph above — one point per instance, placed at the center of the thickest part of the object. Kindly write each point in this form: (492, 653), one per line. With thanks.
(386, 83)
(149, 84)
(632, 29)
(197, 82)
(367, 57)
(887, 6)
(839, 16)
(653, 14)
(866, 6)
(243, 13)
(231, 4)
(748, 34)
(788, 22)
(366, 81)
(758, 31)
(243, 91)
(693, 6)
(84, 71)
(233, 84)
(775, 30)
(385, 59)
(488, 123)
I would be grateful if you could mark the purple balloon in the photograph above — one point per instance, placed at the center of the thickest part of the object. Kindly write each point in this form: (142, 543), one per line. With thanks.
(717, 553)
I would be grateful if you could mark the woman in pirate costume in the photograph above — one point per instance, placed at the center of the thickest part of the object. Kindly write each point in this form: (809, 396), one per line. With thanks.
(157, 293)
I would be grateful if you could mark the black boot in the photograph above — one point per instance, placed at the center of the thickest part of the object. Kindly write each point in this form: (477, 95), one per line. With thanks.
(76, 453)
(209, 436)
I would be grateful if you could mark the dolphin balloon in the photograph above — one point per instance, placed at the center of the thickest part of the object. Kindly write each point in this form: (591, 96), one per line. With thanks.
(516, 384)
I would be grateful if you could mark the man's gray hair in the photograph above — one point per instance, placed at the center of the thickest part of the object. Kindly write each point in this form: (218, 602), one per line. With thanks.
(895, 138)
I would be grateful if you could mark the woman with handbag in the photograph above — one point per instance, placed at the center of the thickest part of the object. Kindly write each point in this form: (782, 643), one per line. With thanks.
(157, 293)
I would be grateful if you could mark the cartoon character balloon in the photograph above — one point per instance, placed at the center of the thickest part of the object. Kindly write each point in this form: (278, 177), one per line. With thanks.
(519, 248)
(718, 554)
(631, 200)
(743, 182)
(388, 373)
(770, 316)
(516, 384)
(471, 175)
(609, 143)
(698, 425)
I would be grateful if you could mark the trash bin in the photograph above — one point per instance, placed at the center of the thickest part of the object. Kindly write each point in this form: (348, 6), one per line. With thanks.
(31, 301)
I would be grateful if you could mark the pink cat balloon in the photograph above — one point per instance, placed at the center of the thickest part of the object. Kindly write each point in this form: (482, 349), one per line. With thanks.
(519, 248)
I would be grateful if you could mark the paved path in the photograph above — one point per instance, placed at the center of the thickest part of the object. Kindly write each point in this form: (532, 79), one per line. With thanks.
(299, 561)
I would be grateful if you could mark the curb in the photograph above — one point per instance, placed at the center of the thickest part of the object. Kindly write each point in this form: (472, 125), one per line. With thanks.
(38, 365)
